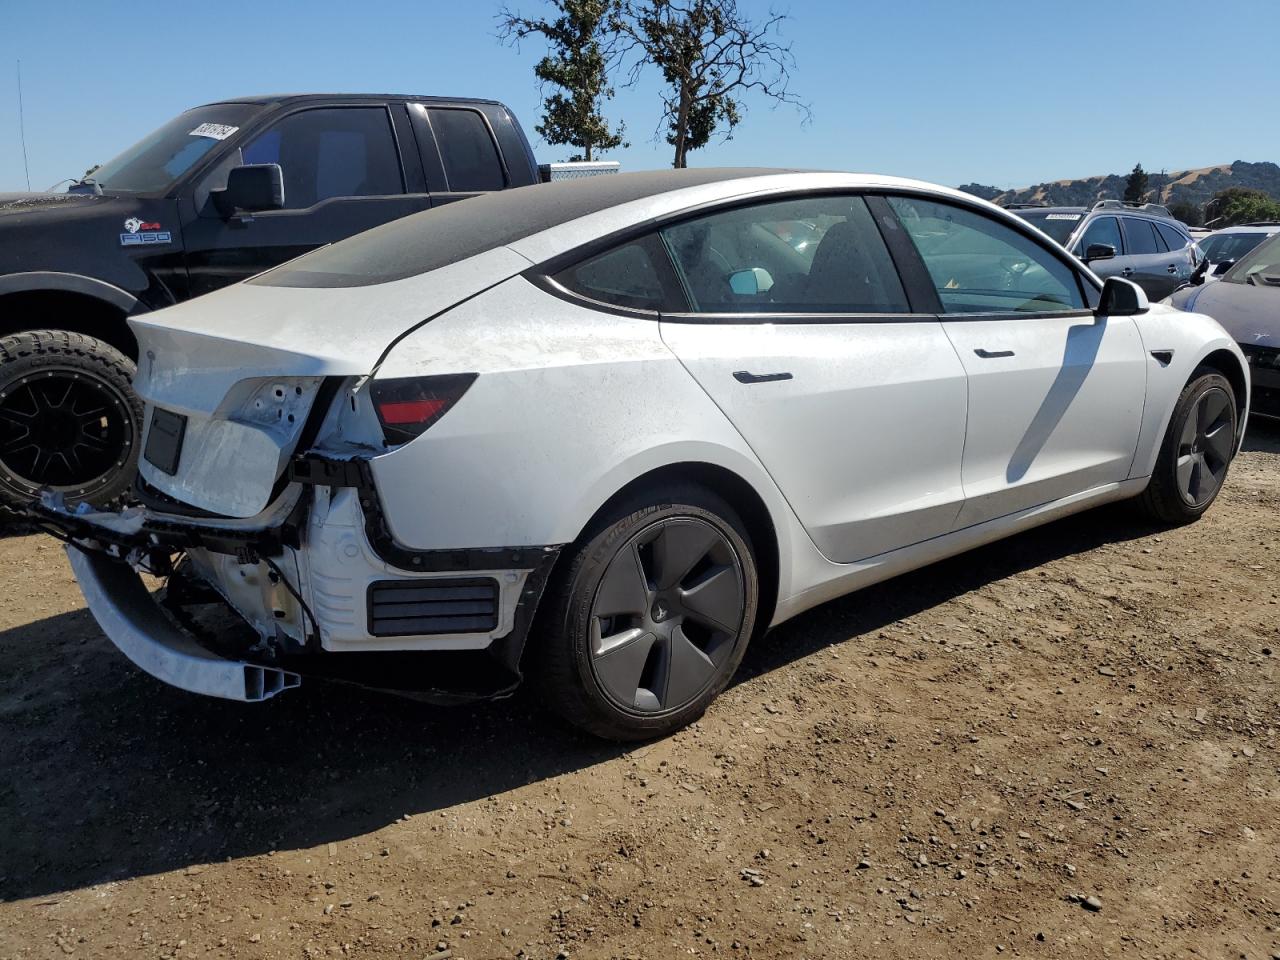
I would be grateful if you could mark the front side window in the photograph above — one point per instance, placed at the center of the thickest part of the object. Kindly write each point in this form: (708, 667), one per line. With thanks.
(624, 276)
(981, 266)
(805, 255)
(1141, 236)
(1105, 230)
(328, 153)
(470, 158)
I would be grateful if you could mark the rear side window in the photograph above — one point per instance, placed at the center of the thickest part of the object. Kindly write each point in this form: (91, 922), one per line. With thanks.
(624, 276)
(1173, 238)
(328, 153)
(1141, 236)
(981, 266)
(1102, 230)
(805, 255)
(467, 150)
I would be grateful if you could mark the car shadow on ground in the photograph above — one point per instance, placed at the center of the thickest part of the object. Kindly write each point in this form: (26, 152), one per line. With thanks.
(106, 774)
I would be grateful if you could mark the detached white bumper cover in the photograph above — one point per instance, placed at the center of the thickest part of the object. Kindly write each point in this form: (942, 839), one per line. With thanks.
(128, 615)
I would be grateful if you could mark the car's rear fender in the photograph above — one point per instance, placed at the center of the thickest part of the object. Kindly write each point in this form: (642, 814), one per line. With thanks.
(570, 406)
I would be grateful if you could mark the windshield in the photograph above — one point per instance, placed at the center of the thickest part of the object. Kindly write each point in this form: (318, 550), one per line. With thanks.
(1229, 246)
(1056, 224)
(1261, 266)
(154, 162)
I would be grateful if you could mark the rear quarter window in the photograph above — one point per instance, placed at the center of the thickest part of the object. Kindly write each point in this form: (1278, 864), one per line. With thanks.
(1173, 237)
(624, 276)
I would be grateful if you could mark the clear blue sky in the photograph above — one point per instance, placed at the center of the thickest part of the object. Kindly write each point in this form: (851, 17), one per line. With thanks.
(1005, 93)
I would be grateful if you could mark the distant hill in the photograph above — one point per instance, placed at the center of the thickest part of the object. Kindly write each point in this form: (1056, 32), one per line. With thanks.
(1179, 186)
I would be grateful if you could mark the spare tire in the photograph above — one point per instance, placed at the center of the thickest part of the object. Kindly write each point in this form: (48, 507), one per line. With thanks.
(69, 419)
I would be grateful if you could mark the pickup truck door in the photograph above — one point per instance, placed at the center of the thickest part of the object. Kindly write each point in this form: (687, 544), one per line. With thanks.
(460, 153)
(346, 169)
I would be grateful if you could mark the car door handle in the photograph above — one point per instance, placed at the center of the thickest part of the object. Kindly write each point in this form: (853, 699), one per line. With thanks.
(1127, 272)
(992, 354)
(1173, 268)
(746, 376)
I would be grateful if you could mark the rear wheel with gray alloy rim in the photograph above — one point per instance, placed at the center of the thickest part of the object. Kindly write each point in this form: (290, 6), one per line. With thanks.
(1197, 450)
(650, 615)
(69, 419)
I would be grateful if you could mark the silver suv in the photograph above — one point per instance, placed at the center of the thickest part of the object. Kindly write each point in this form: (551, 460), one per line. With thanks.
(1142, 243)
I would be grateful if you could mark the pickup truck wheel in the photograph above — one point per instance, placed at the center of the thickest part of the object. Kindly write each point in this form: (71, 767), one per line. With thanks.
(69, 419)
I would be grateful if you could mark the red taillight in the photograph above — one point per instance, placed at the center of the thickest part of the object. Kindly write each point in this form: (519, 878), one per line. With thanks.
(399, 412)
(407, 406)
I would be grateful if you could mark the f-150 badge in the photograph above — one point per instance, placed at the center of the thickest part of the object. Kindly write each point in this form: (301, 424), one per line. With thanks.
(140, 232)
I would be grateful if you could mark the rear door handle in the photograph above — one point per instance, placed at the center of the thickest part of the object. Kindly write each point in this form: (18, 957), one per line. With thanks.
(1127, 272)
(992, 354)
(1173, 268)
(746, 376)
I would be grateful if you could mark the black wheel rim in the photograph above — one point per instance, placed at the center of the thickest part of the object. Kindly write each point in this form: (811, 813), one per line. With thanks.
(63, 429)
(667, 615)
(1205, 446)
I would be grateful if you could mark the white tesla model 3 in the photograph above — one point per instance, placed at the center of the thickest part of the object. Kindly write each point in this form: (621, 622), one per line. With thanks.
(604, 432)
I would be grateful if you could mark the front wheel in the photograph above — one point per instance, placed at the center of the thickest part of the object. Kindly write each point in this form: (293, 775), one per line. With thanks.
(1197, 450)
(650, 615)
(69, 419)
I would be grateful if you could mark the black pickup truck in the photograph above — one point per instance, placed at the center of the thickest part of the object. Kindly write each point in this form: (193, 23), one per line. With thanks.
(217, 194)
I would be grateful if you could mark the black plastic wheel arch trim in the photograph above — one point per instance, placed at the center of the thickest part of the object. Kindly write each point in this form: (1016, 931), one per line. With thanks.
(316, 470)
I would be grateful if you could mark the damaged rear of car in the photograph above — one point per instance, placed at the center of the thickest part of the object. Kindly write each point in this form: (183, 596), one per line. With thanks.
(363, 464)
(264, 411)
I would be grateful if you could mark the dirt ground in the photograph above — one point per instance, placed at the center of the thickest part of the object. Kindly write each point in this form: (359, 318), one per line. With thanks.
(943, 766)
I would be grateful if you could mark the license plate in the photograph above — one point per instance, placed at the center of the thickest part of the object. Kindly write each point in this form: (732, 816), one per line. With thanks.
(164, 440)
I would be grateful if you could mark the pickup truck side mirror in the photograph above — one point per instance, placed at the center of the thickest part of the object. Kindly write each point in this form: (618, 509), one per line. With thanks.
(254, 186)
(1099, 251)
(1121, 298)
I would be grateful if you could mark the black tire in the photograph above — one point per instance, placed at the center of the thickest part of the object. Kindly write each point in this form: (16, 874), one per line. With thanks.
(1194, 455)
(69, 419)
(580, 682)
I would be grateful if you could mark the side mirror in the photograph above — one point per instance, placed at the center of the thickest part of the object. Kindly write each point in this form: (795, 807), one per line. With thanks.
(1099, 251)
(749, 283)
(254, 186)
(1197, 275)
(1220, 268)
(1121, 298)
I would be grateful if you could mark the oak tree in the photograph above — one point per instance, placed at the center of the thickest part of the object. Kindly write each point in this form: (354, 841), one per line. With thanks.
(581, 37)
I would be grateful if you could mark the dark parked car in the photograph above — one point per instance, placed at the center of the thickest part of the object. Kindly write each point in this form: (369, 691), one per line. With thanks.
(215, 195)
(1140, 243)
(1246, 301)
(1222, 248)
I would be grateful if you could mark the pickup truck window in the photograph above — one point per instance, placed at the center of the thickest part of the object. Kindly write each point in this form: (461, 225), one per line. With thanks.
(331, 152)
(467, 150)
